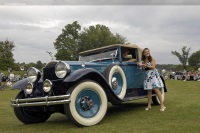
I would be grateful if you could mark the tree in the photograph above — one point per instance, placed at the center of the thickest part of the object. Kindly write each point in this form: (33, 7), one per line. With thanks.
(183, 58)
(72, 40)
(98, 36)
(39, 65)
(66, 43)
(194, 59)
(6, 55)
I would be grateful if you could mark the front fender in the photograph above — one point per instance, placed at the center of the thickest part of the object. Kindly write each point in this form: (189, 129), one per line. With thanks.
(20, 84)
(92, 74)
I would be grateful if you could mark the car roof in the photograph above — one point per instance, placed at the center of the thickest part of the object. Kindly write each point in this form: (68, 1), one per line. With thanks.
(113, 46)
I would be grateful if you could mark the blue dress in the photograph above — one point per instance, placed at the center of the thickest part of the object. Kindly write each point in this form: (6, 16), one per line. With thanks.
(152, 79)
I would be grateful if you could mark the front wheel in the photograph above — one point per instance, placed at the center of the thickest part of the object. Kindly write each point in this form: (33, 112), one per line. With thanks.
(155, 99)
(27, 116)
(88, 103)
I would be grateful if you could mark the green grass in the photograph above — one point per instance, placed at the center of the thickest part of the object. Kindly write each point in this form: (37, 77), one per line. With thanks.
(181, 116)
(14, 72)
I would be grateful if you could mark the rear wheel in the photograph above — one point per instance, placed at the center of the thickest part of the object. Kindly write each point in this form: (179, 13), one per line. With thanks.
(155, 99)
(25, 115)
(88, 103)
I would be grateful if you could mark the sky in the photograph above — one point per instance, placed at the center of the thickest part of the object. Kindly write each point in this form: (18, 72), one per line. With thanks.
(33, 27)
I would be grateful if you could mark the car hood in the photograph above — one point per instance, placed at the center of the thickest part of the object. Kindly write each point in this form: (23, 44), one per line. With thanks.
(79, 63)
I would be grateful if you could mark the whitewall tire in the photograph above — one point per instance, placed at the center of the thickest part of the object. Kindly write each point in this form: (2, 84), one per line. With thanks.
(88, 103)
(116, 79)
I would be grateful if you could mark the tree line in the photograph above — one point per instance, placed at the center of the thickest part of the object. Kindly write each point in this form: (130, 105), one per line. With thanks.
(7, 61)
(74, 39)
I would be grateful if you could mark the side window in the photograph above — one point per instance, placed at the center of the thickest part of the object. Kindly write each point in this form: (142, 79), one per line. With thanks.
(128, 53)
(133, 53)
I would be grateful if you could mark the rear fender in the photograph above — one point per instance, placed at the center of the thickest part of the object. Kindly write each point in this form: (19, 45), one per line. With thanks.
(165, 88)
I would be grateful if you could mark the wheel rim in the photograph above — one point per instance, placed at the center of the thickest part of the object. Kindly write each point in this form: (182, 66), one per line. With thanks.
(73, 109)
(88, 103)
(116, 82)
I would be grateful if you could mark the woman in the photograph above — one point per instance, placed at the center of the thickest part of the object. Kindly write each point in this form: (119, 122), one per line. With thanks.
(152, 80)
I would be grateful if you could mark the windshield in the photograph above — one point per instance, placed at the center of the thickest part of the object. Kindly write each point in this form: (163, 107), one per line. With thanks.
(99, 56)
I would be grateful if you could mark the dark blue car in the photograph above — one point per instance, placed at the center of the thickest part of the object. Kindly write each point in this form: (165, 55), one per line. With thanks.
(81, 89)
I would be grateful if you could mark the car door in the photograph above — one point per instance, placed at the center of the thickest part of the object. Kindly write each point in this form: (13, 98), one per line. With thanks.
(134, 74)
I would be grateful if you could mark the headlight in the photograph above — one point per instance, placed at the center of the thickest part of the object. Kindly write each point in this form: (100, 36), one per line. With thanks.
(33, 74)
(62, 69)
(47, 85)
(29, 88)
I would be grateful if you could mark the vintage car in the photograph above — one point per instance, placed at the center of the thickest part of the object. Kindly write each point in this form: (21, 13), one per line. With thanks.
(81, 89)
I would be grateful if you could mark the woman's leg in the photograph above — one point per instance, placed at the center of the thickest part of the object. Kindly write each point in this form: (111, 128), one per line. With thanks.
(159, 97)
(149, 92)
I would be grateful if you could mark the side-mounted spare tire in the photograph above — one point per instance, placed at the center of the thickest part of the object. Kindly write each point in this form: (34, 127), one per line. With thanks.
(116, 79)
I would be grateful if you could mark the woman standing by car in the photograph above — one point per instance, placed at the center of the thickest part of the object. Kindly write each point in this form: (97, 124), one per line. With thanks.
(152, 80)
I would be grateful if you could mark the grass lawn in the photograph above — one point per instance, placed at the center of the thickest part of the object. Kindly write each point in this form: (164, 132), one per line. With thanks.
(181, 116)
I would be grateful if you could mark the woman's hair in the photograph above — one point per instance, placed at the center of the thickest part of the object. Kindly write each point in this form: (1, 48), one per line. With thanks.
(143, 57)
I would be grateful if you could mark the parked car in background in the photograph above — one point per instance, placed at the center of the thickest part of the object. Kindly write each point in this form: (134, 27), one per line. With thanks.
(81, 89)
(180, 76)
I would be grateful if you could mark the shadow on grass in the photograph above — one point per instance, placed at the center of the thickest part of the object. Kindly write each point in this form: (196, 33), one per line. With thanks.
(112, 112)
(60, 121)
(125, 107)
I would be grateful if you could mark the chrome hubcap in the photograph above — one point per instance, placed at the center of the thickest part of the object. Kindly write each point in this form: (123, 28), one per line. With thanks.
(86, 103)
(114, 83)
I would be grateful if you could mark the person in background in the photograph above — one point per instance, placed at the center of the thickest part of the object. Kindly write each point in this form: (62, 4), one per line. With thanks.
(188, 76)
(11, 76)
(0, 78)
(198, 76)
(152, 80)
(171, 74)
(9, 83)
(192, 75)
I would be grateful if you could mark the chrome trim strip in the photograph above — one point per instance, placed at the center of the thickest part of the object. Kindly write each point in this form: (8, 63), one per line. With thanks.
(137, 97)
(40, 101)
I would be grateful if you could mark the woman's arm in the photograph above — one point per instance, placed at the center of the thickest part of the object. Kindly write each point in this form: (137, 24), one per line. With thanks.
(153, 64)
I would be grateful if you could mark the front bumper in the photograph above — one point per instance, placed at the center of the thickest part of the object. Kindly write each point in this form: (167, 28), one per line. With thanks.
(40, 101)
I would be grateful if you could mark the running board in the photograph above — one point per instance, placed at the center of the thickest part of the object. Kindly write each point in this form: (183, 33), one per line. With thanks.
(136, 97)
